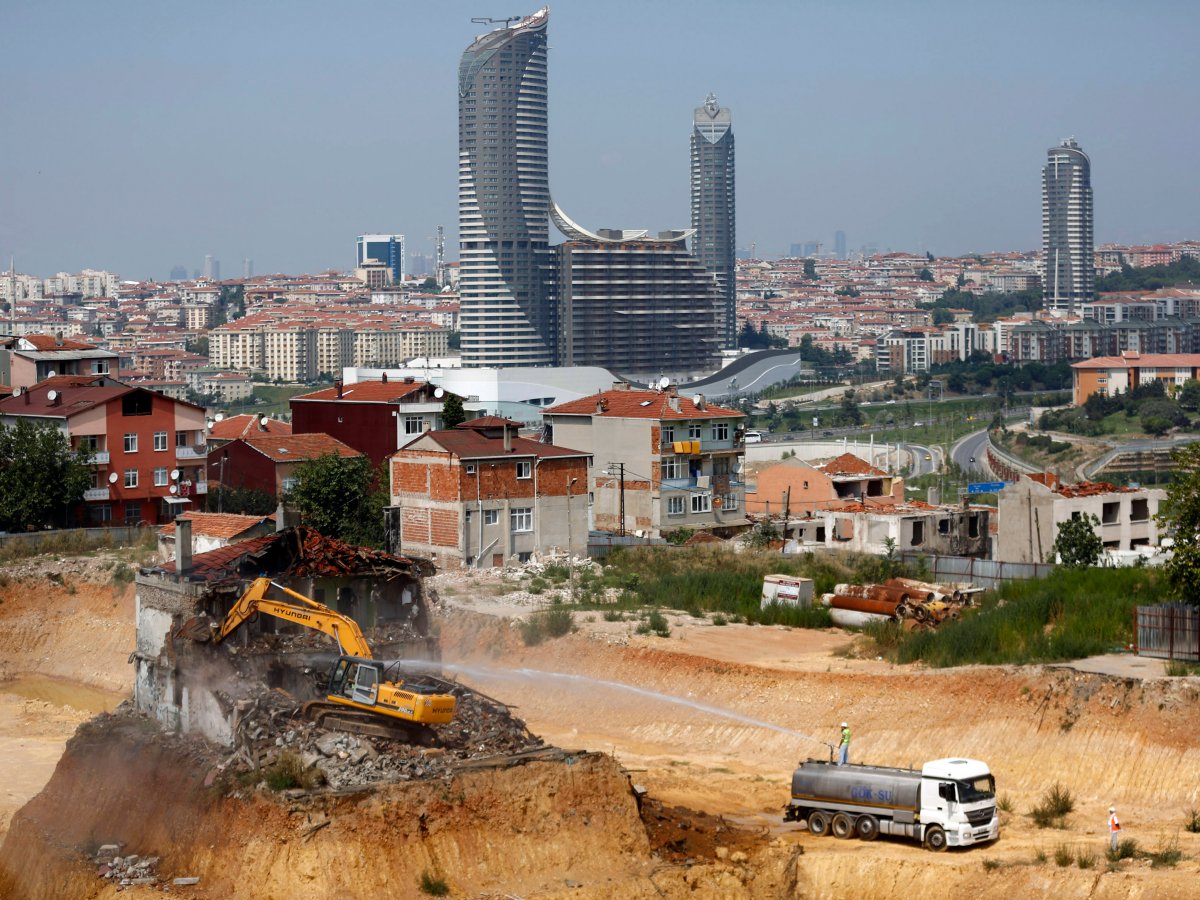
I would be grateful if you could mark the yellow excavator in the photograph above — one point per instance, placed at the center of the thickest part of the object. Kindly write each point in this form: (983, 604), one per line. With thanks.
(361, 697)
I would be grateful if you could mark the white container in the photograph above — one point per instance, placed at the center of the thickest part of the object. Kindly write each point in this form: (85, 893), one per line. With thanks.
(787, 590)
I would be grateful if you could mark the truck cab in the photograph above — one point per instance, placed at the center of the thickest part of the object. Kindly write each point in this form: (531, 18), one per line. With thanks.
(959, 795)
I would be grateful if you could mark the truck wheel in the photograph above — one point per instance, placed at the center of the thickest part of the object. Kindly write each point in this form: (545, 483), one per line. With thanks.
(935, 838)
(867, 828)
(818, 823)
(842, 826)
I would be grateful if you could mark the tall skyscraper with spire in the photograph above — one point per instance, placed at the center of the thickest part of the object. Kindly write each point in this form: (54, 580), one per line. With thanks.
(507, 318)
(1068, 237)
(713, 207)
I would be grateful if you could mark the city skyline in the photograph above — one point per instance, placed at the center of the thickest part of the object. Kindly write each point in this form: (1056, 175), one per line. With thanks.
(714, 207)
(824, 146)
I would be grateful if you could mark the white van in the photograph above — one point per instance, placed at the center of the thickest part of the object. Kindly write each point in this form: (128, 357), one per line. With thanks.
(754, 437)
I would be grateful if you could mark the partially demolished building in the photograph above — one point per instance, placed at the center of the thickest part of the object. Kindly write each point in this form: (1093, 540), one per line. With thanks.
(191, 687)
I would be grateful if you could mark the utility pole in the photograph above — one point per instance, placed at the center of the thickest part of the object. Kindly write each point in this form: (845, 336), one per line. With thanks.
(570, 553)
(620, 467)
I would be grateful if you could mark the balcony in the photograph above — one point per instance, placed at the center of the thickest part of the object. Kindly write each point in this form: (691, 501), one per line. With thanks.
(96, 493)
(98, 458)
(200, 452)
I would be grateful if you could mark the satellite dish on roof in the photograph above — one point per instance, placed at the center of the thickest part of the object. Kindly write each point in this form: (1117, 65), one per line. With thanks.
(263, 420)
(51, 374)
(219, 417)
(174, 474)
(664, 383)
(208, 423)
(439, 393)
(16, 392)
(52, 396)
(112, 478)
(174, 489)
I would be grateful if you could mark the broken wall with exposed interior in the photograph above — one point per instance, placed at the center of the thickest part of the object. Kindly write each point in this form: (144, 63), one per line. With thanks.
(191, 684)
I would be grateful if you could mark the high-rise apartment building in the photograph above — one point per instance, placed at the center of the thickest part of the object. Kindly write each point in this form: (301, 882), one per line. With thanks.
(839, 244)
(247, 267)
(1068, 242)
(385, 248)
(639, 305)
(713, 207)
(507, 318)
(212, 268)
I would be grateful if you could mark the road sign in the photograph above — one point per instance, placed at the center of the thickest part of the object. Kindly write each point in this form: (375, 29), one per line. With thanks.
(985, 487)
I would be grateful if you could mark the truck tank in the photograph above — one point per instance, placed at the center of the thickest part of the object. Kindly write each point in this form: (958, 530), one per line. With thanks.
(866, 786)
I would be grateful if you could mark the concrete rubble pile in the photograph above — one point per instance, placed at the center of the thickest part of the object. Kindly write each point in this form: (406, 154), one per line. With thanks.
(271, 725)
(125, 871)
(916, 605)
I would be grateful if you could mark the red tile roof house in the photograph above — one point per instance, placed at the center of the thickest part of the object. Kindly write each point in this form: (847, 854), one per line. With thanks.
(374, 417)
(268, 462)
(478, 495)
(147, 450)
(213, 530)
(667, 461)
(233, 427)
(26, 361)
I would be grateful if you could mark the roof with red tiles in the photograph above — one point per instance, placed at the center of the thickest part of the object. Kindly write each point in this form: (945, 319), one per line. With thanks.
(43, 342)
(635, 404)
(1140, 361)
(368, 392)
(486, 422)
(234, 427)
(471, 444)
(849, 464)
(218, 525)
(293, 447)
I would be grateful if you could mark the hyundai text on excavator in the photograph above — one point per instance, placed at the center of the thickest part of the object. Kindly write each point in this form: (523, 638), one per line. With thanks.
(361, 696)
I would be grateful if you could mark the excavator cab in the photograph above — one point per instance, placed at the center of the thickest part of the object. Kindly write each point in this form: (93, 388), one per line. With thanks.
(356, 679)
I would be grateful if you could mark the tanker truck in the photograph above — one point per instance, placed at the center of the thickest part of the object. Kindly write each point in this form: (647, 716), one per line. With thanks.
(948, 803)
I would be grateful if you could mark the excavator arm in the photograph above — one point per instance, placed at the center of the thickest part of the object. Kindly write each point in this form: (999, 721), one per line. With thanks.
(310, 614)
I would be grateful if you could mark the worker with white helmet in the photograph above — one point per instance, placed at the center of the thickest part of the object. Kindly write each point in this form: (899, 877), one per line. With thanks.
(844, 747)
(1114, 828)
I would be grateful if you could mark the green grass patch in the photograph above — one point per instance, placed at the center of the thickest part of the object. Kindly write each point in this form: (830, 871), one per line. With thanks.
(288, 772)
(711, 579)
(1177, 668)
(1072, 614)
(655, 623)
(433, 886)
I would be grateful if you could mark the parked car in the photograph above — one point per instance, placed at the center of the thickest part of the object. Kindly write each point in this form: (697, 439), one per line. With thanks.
(754, 437)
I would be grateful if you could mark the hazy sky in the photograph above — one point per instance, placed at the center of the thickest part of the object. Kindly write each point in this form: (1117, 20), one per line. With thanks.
(139, 135)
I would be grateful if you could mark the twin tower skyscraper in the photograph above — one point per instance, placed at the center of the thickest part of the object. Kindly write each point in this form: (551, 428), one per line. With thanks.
(509, 312)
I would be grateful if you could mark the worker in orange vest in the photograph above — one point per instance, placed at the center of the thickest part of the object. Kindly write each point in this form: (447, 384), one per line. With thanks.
(1114, 828)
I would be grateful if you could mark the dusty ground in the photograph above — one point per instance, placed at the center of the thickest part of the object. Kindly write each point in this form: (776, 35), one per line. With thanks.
(1128, 739)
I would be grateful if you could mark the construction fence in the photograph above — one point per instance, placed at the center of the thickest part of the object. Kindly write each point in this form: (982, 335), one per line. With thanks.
(987, 573)
(1167, 631)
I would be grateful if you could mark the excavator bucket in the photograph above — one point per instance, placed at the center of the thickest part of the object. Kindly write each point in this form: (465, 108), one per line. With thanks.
(197, 628)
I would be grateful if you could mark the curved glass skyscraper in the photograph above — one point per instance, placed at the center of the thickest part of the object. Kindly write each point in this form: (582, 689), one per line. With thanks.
(713, 207)
(504, 198)
(1068, 242)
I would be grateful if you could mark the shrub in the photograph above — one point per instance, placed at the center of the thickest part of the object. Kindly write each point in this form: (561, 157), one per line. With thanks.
(1126, 849)
(614, 615)
(288, 772)
(1191, 821)
(433, 885)
(1004, 803)
(1039, 857)
(1167, 854)
(719, 619)
(547, 623)
(556, 572)
(1056, 804)
(1177, 668)
(536, 585)
(655, 623)
(991, 865)
(1063, 856)
(122, 574)
(1085, 859)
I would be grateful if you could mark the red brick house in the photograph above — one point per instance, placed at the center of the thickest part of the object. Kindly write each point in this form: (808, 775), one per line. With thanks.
(147, 450)
(373, 417)
(480, 495)
(268, 462)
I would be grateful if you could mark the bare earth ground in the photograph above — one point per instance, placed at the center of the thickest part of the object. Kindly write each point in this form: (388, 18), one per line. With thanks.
(1128, 740)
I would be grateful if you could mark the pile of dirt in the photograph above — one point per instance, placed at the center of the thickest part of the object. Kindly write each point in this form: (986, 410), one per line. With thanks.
(682, 835)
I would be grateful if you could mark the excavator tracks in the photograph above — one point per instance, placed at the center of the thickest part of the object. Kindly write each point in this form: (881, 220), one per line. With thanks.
(335, 717)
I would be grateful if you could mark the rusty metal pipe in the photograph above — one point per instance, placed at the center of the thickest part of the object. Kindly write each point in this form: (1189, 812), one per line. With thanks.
(860, 604)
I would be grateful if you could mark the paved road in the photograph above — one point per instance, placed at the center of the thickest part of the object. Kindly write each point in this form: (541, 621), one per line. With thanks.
(970, 453)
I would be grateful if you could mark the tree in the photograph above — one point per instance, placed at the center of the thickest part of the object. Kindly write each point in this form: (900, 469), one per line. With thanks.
(942, 317)
(199, 346)
(243, 501)
(40, 475)
(452, 411)
(1180, 514)
(810, 270)
(1189, 395)
(1077, 545)
(925, 275)
(335, 496)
